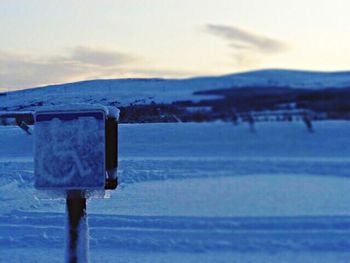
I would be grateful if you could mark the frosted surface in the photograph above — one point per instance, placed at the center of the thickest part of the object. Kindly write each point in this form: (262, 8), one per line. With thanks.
(69, 153)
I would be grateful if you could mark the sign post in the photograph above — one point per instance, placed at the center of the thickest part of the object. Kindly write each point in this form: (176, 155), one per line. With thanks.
(77, 240)
(76, 156)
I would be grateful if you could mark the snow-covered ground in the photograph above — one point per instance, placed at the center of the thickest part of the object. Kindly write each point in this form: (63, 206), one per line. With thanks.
(208, 192)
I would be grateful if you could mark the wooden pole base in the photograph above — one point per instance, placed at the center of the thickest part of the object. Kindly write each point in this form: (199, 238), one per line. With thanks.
(77, 235)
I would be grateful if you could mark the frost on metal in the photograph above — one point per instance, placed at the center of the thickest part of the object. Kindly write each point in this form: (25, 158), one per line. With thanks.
(70, 150)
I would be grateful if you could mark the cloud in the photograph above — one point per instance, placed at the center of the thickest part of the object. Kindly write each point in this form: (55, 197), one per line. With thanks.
(245, 44)
(23, 71)
(86, 55)
(18, 71)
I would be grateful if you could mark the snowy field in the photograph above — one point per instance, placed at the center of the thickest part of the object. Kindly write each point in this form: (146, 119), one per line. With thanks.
(195, 193)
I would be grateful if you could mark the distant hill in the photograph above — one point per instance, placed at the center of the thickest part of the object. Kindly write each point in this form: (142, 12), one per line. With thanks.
(145, 100)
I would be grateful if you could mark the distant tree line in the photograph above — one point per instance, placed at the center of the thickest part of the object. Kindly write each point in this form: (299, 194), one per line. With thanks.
(331, 102)
(233, 104)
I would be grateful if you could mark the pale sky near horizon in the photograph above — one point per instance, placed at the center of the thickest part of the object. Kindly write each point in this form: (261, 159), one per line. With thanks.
(45, 42)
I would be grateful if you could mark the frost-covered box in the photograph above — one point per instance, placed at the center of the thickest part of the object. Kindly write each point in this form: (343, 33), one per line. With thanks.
(70, 148)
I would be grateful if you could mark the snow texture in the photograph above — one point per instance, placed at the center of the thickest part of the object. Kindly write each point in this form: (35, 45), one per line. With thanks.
(210, 192)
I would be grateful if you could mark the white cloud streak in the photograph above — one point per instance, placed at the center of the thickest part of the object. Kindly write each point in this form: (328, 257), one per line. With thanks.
(19, 71)
(248, 47)
(24, 71)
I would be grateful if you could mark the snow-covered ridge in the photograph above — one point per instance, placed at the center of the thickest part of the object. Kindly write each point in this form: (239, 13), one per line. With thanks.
(123, 92)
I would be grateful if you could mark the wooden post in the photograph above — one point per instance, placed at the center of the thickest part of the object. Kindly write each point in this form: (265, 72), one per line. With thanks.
(77, 233)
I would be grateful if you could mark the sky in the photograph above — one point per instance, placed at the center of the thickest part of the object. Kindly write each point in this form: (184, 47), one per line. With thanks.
(56, 41)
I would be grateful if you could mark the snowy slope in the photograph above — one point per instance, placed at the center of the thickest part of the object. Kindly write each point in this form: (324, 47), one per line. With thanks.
(294, 78)
(122, 92)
